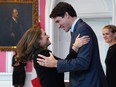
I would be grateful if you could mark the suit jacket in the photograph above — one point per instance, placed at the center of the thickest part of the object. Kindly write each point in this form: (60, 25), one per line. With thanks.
(85, 69)
(111, 66)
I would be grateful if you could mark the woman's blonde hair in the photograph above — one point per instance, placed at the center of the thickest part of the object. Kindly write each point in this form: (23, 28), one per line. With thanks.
(112, 28)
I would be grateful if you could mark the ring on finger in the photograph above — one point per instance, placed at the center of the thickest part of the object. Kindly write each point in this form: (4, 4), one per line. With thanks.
(43, 63)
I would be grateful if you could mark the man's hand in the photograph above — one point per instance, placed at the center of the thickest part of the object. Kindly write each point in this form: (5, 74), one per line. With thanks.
(47, 61)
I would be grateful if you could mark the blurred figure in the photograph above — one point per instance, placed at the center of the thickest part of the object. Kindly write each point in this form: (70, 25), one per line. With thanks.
(19, 72)
(109, 34)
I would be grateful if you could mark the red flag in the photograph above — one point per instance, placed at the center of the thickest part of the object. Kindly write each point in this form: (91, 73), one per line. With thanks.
(36, 82)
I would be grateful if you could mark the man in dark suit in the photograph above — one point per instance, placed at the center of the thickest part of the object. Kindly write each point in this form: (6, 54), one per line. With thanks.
(12, 29)
(85, 69)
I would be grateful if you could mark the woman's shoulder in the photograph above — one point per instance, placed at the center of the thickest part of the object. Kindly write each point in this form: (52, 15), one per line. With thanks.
(43, 52)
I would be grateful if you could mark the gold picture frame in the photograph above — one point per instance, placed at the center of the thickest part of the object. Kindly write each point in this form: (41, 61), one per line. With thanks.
(28, 10)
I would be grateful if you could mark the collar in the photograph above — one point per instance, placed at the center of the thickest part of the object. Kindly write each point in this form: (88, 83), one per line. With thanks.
(14, 19)
(73, 25)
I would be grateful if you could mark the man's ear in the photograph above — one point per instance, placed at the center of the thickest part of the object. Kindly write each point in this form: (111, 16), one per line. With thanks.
(67, 15)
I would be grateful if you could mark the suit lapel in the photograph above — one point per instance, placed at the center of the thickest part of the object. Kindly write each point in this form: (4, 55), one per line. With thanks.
(77, 25)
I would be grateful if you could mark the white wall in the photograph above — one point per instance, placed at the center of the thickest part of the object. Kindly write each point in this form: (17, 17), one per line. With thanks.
(6, 80)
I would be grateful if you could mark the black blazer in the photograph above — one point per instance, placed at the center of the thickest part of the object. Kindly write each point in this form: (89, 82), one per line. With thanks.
(49, 77)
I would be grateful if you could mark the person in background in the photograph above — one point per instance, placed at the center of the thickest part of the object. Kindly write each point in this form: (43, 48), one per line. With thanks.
(19, 73)
(13, 29)
(85, 69)
(35, 41)
(109, 35)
